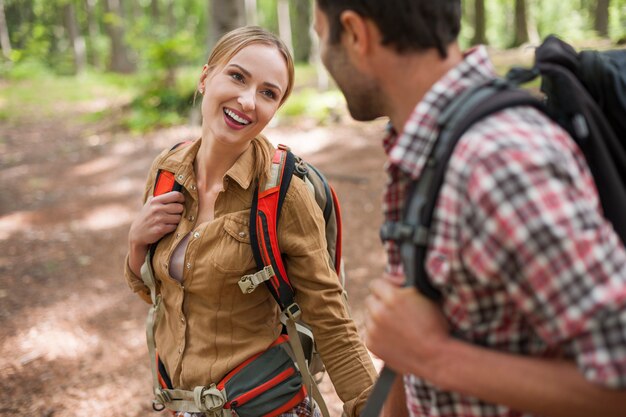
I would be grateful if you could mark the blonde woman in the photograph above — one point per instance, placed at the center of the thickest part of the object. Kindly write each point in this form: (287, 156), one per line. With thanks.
(207, 326)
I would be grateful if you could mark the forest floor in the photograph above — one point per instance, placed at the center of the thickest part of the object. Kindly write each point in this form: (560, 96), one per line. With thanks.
(72, 338)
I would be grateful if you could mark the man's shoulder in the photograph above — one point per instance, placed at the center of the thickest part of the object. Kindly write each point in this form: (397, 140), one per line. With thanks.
(523, 129)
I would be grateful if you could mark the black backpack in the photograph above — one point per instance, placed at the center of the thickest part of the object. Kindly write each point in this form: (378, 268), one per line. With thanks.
(585, 93)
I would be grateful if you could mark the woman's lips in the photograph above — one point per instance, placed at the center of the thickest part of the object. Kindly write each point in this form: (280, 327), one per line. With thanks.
(235, 119)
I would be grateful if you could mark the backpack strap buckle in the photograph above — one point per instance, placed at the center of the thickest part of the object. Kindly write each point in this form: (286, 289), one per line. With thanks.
(248, 283)
(162, 397)
(209, 399)
(291, 312)
(403, 232)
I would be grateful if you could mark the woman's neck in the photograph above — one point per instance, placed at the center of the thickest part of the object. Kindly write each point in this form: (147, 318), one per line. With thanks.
(213, 161)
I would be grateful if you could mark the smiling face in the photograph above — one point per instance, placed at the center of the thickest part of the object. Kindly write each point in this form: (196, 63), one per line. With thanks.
(242, 96)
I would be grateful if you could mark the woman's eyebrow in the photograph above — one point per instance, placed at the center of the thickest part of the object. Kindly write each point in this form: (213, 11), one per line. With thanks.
(247, 74)
(242, 69)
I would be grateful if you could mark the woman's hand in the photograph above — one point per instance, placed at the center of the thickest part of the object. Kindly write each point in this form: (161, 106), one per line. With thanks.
(158, 217)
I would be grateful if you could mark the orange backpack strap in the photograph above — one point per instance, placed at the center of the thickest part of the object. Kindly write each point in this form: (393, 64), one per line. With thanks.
(165, 181)
(264, 214)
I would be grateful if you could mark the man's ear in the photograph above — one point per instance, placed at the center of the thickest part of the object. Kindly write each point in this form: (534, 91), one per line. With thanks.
(360, 35)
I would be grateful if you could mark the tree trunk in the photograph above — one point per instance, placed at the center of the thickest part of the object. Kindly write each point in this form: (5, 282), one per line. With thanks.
(92, 32)
(521, 24)
(77, 41)
(284, 23)
(5, 41)
(251, 11)
(302, 34)
(602, 18)
(480, 23)
(226, 16)
(171, 17)
(154, 10)
(120, 60)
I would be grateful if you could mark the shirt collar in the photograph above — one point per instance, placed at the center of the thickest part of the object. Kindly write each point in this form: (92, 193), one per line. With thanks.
(180, 162)
(409, 150)
(241, 171)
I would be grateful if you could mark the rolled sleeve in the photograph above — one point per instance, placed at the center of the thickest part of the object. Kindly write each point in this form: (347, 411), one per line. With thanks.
(136, 284)
(602, 351)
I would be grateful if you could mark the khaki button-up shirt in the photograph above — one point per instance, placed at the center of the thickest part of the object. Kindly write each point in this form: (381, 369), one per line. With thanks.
(208, 325)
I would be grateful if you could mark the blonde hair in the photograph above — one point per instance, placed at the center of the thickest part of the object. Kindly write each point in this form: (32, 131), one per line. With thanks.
(228, 46)
(262, 158)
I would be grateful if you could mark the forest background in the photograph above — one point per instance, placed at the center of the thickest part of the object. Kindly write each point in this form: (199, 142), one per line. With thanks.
(80, 47)
(92, 90)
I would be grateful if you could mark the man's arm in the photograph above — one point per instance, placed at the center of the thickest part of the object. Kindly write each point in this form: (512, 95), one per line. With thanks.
(410, 333)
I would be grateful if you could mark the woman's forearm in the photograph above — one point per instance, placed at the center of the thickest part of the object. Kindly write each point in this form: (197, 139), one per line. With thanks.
(136, 257)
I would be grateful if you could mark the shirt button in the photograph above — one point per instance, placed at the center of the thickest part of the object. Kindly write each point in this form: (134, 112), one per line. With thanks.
(191, 218)
(177, 234)
(180, 177)
(193, 187)
(182, 319)
(196, 235)
(180, 349)
(242, 234)
(188, 265)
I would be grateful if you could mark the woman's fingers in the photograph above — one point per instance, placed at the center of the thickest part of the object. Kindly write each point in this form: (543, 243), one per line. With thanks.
(171, 197)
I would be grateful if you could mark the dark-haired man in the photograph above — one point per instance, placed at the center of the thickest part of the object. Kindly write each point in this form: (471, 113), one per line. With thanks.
(533, 277)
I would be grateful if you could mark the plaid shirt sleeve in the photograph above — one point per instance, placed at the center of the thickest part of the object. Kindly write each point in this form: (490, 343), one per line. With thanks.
(533, 222)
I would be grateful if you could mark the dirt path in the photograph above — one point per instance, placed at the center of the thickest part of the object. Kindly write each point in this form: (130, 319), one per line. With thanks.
(71, 333)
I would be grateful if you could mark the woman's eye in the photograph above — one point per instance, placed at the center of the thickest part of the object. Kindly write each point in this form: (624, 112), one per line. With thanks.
(269, 94)
(237, 76)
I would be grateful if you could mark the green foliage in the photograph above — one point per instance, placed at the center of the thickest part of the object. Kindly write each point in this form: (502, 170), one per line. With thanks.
(267, 14)
(617, 21)
(563, 18)
(47, 95)
(309, 102)
(172, 52)
(23, 68)
(159, 105)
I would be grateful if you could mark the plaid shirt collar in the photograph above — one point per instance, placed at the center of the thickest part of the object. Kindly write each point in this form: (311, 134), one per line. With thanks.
(408, 152)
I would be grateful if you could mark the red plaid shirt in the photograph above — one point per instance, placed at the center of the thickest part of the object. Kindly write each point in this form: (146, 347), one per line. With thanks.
(519, 249)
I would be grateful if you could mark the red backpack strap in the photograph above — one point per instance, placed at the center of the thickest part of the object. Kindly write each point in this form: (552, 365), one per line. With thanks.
(264, 213)
(164, 181)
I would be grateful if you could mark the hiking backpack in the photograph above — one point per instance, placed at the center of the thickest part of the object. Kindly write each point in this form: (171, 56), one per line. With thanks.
(585, 93)
(264, 217)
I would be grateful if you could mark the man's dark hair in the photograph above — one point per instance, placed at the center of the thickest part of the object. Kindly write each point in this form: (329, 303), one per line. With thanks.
(407, 25)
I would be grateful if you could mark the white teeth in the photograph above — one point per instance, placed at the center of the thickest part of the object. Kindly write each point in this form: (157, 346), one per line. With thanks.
(236, 118)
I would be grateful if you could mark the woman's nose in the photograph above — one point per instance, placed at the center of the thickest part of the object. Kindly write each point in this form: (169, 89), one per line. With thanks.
(246, 100)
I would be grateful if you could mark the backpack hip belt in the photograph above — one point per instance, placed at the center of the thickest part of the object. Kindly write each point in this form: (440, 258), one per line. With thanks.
(251, 384)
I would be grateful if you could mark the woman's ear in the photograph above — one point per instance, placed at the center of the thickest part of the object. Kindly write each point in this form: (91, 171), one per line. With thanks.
(203, 76)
